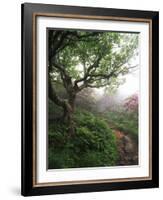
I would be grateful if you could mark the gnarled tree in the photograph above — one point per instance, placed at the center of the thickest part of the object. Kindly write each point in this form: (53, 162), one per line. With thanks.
(84, 59)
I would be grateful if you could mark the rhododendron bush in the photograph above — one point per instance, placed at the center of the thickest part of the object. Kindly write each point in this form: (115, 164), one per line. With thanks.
(131, 103)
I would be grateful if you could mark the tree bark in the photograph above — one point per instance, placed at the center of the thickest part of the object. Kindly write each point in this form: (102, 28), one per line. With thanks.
(68, 107)
(68, 115)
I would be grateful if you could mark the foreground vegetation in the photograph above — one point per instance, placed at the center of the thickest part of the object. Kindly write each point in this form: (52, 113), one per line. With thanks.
(94, 143)
(127, 122)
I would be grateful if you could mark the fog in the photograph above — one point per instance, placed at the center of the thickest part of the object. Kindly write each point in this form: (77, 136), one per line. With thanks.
(125, 90)
(129, 87)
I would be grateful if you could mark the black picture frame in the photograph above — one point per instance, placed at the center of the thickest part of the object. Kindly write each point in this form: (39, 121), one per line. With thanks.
(29, 12)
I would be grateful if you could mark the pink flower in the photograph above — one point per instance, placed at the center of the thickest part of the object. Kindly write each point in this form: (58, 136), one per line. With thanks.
(131, 103)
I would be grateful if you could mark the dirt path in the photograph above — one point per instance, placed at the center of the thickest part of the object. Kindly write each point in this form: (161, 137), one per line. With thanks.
(127, 148)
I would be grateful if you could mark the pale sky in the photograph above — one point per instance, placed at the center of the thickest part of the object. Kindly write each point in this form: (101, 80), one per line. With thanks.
(131, 85)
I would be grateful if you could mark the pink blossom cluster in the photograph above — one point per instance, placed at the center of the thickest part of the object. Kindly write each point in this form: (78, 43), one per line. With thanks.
(131, 103)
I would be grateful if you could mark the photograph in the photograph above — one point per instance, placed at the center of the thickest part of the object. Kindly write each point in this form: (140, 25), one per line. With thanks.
(93, 98)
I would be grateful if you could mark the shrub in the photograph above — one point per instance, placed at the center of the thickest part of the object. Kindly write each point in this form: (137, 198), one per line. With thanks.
(92, 145)
(124, 121)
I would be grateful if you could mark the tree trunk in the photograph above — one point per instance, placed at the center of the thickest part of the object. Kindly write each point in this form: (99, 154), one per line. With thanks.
(67, 105)
(68, 115)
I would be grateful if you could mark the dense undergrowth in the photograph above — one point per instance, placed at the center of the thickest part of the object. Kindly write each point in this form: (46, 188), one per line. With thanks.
(93, 144)
(127, 122)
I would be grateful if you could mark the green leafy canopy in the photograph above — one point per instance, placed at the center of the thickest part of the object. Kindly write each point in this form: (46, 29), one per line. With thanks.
(92, 59)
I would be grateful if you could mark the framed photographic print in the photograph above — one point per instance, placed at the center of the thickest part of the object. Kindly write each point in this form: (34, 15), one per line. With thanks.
(89, 99)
